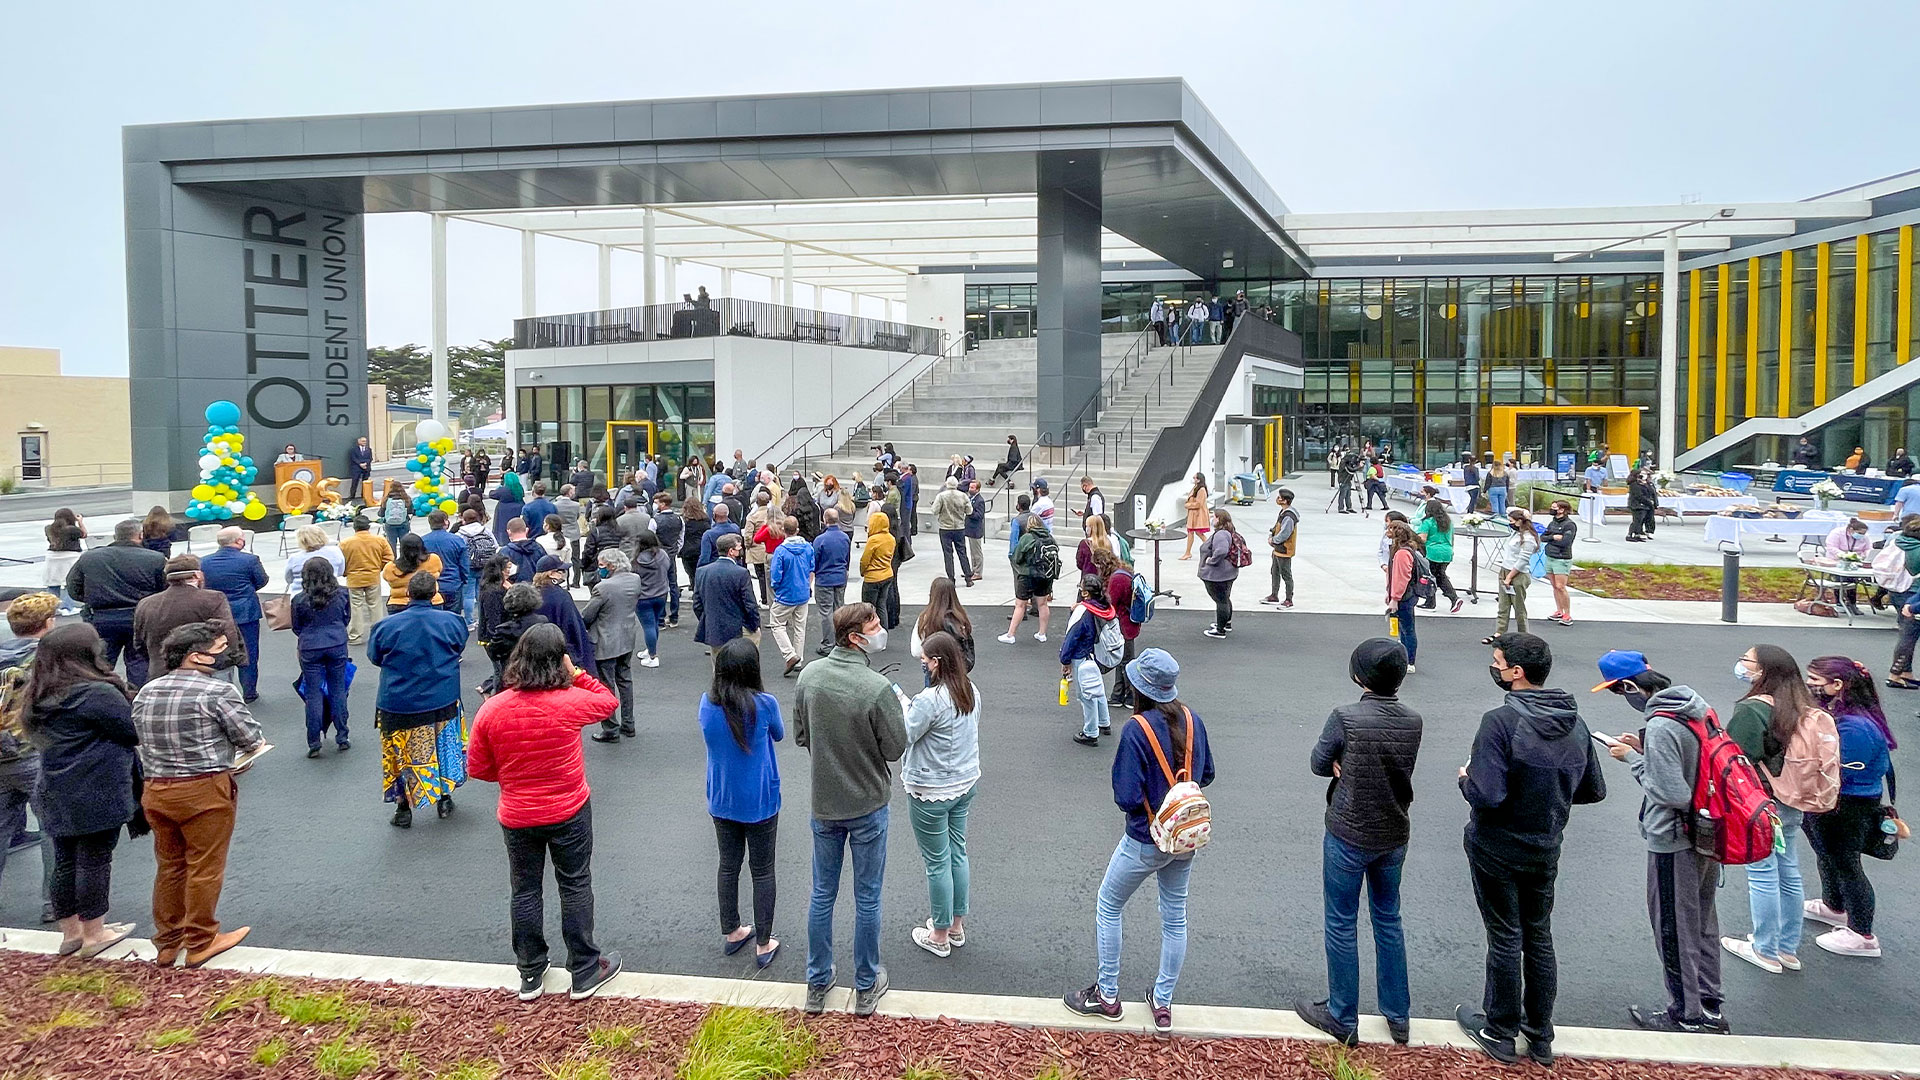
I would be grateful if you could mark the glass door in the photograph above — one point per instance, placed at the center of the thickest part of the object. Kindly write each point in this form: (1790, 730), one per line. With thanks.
(33, 461)
(628, 442)
(1010, 323)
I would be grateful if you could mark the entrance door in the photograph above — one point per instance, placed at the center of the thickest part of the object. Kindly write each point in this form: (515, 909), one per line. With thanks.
(1009, 323)
(33, 461)
(628, 441)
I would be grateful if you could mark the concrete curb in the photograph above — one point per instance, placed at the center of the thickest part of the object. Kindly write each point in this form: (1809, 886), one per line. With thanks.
(1192, 1020)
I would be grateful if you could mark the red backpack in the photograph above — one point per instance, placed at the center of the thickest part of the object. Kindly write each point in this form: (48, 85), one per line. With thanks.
(1732, 819)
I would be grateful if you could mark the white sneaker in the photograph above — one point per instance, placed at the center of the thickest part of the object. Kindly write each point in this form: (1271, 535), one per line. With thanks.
(1844, 942)
(649, 661)
(1039, 637)
(1818, 911)
(923, 937)
(1213, 632)
(1743, 948)
(1410, 669)
(1008, 639)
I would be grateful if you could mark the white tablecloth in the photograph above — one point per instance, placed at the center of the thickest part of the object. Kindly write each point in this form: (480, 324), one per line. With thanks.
(1737, 529)
(1408, 486)
(1520, 476)
(1686, 504)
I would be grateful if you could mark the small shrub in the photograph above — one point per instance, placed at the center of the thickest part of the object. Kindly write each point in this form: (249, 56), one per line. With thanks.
(590, 1069)
(8, 485)
(1337, 1064)
(735, 1042)
(341, 1061)
(174, 1037)
(119, 993)
(242, 994)
(477, 1069)
(311, 1009)
(621, 1037)
(269, 1053)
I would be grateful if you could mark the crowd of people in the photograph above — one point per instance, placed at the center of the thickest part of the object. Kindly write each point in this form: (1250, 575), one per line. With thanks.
(159, 748)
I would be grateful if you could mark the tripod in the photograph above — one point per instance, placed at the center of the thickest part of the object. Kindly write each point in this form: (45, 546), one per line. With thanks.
(1352, 490)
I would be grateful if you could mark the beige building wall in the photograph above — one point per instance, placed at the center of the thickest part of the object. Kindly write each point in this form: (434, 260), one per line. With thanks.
(82, 421)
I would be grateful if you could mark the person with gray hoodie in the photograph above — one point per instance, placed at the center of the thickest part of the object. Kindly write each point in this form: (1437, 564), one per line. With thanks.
(1681, 882)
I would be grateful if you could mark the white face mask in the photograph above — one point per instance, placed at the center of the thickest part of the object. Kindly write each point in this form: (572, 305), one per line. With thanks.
(1742, 672)
(874, 642)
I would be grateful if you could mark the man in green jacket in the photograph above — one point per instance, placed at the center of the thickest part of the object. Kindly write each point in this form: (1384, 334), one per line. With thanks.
(849, 718)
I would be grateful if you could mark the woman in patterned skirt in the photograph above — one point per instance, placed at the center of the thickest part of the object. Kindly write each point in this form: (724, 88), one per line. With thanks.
(423, 731)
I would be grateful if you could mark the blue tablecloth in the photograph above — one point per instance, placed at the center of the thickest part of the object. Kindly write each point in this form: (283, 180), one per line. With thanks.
(1867, 489)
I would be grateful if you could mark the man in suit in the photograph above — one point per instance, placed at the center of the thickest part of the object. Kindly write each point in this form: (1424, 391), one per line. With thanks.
(186, 599)
(359, 467)
(724, 524)
(723, 596)
(237, 574)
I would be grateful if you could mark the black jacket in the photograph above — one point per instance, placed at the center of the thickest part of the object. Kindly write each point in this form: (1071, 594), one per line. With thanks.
(1641, 495)
(504, 635)
(86, 738)
(1532, 762)
(1375, 741)
(1557, 540)
(599, 539)
(119, 575)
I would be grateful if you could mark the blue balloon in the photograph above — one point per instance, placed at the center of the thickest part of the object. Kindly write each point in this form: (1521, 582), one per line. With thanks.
(231, 430)
(421, 448)
(247, 461)
(223, 413)
(223, 512)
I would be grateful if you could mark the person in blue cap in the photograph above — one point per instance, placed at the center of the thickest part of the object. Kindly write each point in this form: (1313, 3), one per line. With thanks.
(1681, 882)
(1139, 784)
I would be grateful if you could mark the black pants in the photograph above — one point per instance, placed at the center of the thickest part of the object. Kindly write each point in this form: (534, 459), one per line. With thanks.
(1123, 688)
(1345, 493)
(691, 560)
(1642, 521)
(571, 842)
(885, 598)
(82, 874)
(952, 541)
(1902, 649)
(116, 630)
(1686, 929)
(1838, 836)
(1222, 593)
(1516, 907)
(1376, 487)
(1282, 571)
(616, 674)
(755, 842)
(760, 574)
(673, 589)
(1442, 585)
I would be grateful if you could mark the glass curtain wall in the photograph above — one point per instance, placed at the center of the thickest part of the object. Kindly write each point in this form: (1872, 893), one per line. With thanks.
(682, 415)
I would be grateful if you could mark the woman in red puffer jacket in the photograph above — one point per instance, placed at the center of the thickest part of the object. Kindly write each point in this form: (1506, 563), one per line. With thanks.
(527, 739)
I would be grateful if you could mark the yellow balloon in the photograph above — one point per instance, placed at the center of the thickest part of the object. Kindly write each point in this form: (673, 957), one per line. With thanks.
(202, 492)
(255, 510)
(449, 505)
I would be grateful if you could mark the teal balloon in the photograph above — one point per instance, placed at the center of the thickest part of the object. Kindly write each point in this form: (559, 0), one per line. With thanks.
(223, 413)
(231, 430)
(247, 461)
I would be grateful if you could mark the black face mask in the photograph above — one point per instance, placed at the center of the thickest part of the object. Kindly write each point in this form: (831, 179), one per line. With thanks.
(222, 662)
(1504, 684)
(1636, 698)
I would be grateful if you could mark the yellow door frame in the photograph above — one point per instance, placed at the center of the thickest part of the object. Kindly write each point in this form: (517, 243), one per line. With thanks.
(1623, 424)
(613, 482)
(1276, 430)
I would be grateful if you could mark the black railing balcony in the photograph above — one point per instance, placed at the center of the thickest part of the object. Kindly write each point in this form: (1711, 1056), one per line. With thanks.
(739, 318)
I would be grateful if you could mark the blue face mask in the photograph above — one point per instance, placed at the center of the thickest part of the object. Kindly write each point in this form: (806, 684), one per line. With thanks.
(604, 571)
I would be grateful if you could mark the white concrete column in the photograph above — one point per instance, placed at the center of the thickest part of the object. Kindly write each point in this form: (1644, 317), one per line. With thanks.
(647, 249)
(1669, 350)
(726, 281)
(529, 292)
(439, 301)
(786, 275)
(673, 274)
(606, 276)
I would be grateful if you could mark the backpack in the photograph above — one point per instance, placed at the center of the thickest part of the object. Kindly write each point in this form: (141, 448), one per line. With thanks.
(1237, 551)
(1109, 645)
(1890, 569)
(1139, 601)
(13, 713)
(1731, 820)
(396, 511)
(1046, 555)
(1184, 822)
(484, 547)
(1421, 583)
(1809, 777)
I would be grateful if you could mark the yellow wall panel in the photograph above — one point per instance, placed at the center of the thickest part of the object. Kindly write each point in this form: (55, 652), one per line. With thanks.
(1860, 248)
(1753, 337)
(1903, 343)
(1822, 260)
(1693, 359)
(1724, 309)
(1785, 398)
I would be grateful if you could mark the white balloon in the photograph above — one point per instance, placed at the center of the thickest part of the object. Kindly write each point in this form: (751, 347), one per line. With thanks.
(429, 431)
(209, 462)
(237, 505)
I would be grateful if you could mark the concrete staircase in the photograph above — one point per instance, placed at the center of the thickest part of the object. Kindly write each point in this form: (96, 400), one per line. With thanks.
(976, 400)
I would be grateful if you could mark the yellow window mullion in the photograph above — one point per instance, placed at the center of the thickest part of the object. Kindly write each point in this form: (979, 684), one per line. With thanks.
(1753, 337)
(1693, 359)
(1822, 261)
(1784, 403)
(1903, 298)
(1860, 247)
(1724, 312)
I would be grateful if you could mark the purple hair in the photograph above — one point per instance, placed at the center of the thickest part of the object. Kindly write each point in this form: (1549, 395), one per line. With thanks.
(1857, 697)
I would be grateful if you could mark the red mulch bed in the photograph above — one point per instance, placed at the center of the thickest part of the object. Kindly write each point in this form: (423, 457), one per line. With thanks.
(419, 1032)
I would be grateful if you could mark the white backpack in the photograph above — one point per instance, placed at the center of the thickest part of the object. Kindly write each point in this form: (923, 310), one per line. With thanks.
(1184, 822)
(1890, 568)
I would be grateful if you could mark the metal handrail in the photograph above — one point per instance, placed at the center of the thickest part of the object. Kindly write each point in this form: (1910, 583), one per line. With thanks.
(912, 389)
(1111, 387)
(834, 423)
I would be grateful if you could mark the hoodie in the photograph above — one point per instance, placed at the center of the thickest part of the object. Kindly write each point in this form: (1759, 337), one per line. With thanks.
(1666, 767)
(1532, 761)
(1910, 547)
(792, 572)
(876, 558)
(1083, 633)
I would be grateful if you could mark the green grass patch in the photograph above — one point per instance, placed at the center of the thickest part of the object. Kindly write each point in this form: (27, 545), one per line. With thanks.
(734, 1043)
(311, 1009)
(590, 1069)
(398, 1021)
(174, 1037)
(617, 1037)
(1337, 1064)
(929, 1070)
(477, 1069)
(240, 995)
(1056, 1071)
(119, 993)
(1650, 581)
(65, 1018)
(269, 1053)
(340, 1060)
(409, 1064)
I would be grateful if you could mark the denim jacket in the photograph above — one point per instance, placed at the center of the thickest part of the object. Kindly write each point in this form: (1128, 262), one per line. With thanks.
(943, 747)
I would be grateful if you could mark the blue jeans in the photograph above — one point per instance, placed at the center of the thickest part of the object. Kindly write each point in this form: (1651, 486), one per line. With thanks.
(1343, 868)
(1132, 864)
(1774, 892)
(1404, 612)
(673, 589)
(394, 533)
(250, 671)
(867, 836)
(470, 599)
(325, 679)
(652, 610)
(1497, 498)
(1093, 710)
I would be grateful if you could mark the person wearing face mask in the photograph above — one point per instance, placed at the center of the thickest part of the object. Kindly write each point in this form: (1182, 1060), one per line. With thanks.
(1844, 687)
(191, 724)
(186, 599)
(1849, 541)
(1512, 557)
(1369, 749)
(1533, 760)
(851, 722)
(1681, 882)
(1557, 539)
(723, 600)
(613, 623)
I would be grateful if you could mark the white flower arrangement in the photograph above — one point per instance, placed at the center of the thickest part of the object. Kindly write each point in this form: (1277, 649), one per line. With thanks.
(1155, 524)
(1474, 520)
(1826, 489)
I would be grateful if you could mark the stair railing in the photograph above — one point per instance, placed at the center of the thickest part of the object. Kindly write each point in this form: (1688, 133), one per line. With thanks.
(812, 432)
(942, 365)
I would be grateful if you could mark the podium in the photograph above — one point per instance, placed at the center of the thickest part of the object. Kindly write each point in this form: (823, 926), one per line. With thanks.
(310, 471)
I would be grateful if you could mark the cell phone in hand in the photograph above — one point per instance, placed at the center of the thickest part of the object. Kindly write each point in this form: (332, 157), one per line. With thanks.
(1605, 740)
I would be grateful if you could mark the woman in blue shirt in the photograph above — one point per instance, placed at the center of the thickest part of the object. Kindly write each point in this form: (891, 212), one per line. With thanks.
(1844, 688)
(740, 723)
(320, 624)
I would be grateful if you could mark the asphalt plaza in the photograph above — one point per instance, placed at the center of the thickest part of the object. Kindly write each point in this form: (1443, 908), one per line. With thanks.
(316, 866)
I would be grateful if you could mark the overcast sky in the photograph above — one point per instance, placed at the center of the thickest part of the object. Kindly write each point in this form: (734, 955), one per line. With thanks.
(1342, 106)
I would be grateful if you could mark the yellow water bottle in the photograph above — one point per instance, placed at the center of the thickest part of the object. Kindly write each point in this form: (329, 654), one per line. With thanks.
(1393, 626)
(1063, 689)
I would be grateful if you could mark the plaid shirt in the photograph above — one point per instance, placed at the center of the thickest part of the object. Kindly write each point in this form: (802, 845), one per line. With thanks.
(190, 724)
